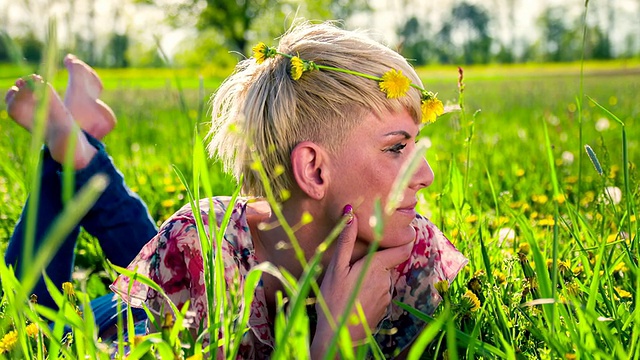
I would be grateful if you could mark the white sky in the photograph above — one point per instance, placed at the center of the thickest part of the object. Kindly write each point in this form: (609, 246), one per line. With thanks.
(146, 21)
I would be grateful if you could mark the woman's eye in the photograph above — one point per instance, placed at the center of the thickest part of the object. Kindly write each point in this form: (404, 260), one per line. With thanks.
(397, 148)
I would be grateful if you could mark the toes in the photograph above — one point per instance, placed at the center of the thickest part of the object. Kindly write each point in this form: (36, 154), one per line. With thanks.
(69, 60)
(11, 93)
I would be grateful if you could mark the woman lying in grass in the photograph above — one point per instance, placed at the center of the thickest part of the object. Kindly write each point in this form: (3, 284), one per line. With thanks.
(327, 122)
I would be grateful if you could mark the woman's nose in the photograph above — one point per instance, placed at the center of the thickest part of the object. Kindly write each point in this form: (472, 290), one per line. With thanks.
(423, 176)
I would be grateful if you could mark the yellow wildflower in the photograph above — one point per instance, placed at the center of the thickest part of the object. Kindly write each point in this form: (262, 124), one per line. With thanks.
(394, 84)
(442, 287)
(524, 248)
(297, 68)
(479, 273)
(260, 52)
(168, 203)
(431, 107)
(32, 330)
(68, 290)
(623, 293)
(471, 218)
(560, 198)
(547, 222)
(573, 288)
(8, 341)
(500, 277)
(471, 300)
(168, 321)
(195, 357)
(540, 199)
(475, 285)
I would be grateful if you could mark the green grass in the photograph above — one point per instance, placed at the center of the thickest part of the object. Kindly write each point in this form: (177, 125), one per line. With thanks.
(504, 163)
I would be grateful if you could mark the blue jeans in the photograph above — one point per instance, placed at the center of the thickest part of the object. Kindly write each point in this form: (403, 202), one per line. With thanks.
(119, 220)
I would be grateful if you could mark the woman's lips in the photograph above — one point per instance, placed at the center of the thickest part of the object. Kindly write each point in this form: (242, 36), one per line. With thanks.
(408, 210)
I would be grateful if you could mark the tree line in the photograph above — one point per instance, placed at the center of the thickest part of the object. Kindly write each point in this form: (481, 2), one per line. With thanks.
(465, 35)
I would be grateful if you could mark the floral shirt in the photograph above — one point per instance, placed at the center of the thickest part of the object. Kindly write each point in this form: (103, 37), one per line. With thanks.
(173, 259)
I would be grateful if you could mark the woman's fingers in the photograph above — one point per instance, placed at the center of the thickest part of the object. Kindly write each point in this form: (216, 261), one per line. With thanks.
(345, 242)
(391, 257)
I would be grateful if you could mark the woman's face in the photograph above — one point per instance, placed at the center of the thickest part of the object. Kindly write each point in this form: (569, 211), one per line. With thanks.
(365, 168)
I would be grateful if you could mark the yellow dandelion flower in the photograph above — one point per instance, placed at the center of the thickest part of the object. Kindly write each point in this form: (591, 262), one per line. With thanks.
(394, 84)
(479, 273)
(475, 285)
(471, 218)
(500, 277)
(621, 266)
(442, 287)
(68, 290)
(546, 222)
(524, 248)
(9, 341)
(32, 330)
(573, 288)
(431, 108)
(471, 300)
(564, 266)
(260, 52)
(560, 198)
(167, 203)
(623, 293)
(540, 199)
(297, 68)
(168, 321)
(195, 357)
(519, 172)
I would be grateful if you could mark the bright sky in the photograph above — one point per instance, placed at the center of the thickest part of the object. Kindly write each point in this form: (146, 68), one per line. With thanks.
(146, 21)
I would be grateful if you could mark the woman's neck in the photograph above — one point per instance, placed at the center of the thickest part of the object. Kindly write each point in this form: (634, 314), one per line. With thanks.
(273, 242)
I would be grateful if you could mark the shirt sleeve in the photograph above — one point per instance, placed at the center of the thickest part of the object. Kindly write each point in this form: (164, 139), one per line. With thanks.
(172, 260)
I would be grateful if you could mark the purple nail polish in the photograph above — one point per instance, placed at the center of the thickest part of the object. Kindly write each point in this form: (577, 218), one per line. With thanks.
(348, 211)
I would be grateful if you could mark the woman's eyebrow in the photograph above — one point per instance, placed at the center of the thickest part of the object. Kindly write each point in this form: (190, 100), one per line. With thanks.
(399, 132)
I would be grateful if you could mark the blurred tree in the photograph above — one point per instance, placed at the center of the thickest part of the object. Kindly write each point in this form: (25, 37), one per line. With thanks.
(4, 47)
(414, 44)
(473, 23)
(31, 47)
(555, 42)
(241, 21)
(115, 54)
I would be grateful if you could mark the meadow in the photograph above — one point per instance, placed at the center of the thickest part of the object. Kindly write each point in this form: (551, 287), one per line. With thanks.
(550, 230)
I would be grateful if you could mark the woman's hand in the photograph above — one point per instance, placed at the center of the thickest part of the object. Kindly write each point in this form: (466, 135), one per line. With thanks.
(340, 280)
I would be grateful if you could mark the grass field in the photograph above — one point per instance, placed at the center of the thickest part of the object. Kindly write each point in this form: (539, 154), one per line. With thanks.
(514, 190)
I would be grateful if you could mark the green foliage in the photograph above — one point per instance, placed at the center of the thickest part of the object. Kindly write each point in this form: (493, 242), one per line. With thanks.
(549, 253)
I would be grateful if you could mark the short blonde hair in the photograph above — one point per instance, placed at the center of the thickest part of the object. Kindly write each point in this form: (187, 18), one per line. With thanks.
(261, 111)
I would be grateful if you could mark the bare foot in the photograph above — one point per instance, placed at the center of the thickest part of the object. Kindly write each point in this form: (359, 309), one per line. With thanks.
(61, 128)
(83, 90)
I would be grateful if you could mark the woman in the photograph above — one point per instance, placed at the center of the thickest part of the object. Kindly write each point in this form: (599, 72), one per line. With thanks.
(330, 116)
(331, 137)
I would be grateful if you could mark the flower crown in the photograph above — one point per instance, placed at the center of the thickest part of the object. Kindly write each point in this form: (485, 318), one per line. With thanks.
(393, 83)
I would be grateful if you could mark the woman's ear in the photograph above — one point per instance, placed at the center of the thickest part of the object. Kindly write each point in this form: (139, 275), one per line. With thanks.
(310, 170)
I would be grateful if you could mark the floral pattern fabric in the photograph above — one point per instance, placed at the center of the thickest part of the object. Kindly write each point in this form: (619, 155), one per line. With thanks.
(173, 259)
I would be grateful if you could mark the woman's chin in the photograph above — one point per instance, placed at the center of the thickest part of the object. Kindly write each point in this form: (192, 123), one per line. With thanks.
(398, 236)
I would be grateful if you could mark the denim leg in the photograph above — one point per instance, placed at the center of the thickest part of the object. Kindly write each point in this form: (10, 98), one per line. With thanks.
(119, 219)
(49, 207)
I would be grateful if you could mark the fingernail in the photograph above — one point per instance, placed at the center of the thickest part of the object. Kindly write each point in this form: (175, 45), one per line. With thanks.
(348, 211)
